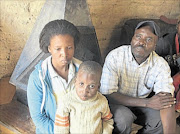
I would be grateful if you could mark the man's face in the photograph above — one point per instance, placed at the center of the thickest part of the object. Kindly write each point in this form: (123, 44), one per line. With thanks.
(87, 85)
(143, 43)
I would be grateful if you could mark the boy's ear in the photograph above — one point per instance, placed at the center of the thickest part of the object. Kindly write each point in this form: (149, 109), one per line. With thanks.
(99, 85)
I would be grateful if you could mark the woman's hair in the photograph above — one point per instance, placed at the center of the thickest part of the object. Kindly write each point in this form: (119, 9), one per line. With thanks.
(57, 27)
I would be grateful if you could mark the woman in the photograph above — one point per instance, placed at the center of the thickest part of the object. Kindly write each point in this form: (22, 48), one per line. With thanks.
(52, 76)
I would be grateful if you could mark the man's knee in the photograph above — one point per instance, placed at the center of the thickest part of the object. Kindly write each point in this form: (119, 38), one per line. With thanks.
(151, 121)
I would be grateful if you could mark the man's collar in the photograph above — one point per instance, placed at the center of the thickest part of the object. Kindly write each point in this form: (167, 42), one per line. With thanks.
(131, 57)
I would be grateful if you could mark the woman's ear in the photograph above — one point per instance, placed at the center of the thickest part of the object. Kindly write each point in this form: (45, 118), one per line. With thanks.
(49, 49)
(75, 77)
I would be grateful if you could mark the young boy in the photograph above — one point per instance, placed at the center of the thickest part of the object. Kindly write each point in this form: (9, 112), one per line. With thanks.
(84, 110)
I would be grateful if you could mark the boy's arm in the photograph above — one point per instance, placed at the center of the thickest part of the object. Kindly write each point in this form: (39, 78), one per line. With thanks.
(107, 120)
(61, 125)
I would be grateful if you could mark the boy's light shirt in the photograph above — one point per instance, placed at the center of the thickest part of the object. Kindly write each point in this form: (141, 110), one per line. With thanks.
(73, 113)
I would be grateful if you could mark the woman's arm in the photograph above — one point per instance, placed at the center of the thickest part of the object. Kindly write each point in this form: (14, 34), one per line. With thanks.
(34, 95)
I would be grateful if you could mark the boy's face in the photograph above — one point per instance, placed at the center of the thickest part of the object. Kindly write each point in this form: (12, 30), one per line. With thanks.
(87, 85)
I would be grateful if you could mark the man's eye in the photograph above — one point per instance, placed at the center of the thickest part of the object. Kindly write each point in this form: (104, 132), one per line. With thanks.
(138, 36)
(58, 49)
(92, 86)
(149, 40)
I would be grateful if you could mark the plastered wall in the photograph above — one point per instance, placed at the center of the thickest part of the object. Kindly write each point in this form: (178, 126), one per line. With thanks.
(17, 18)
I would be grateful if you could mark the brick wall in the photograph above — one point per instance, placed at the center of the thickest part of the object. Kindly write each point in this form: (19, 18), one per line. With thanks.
(17, 18)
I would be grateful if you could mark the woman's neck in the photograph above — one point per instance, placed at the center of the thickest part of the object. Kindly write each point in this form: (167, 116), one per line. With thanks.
(62, 70)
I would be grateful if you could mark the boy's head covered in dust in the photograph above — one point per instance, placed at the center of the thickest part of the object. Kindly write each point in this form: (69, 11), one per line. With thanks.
(87, 81)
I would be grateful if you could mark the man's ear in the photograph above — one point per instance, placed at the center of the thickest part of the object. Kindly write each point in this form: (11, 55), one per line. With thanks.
(155, 46)
(156, 39)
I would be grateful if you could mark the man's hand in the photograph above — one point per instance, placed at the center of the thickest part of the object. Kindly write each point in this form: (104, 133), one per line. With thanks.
(161, 101)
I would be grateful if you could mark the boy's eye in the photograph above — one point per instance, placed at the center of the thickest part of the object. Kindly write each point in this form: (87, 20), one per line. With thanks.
(91, 86)
(81, 84)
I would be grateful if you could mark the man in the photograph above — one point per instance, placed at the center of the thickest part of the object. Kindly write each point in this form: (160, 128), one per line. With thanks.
(130, 75)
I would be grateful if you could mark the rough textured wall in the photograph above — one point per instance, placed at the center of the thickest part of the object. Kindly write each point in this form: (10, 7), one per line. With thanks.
(106, 14)
(17, 18)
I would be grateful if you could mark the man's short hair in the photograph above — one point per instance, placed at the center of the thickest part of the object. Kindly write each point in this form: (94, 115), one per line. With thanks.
(155, 28)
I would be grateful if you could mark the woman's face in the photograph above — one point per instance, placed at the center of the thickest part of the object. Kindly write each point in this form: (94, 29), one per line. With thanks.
(62, 49)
